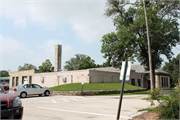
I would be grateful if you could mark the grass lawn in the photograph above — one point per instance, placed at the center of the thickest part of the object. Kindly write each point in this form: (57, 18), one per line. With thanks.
(93, 86)
(154, 109)
(163, 97)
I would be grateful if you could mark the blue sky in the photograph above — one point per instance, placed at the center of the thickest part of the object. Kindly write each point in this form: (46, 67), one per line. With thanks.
(30, 29)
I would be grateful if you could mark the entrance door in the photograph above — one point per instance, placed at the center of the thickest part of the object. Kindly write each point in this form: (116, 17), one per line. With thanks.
(133, 82)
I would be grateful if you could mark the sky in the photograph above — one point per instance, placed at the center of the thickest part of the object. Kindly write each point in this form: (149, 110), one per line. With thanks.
(30, 29)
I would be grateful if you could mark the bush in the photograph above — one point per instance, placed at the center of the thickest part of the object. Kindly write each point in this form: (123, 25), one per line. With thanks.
(169, 109)
(156, 94)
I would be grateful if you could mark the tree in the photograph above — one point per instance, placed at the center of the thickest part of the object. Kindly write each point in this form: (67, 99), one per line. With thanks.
(46, 66)
(27, 67)
(4, 73)
(130, 40)
(175, 74)
(77, 62)
(114, 50)
(172, 67)
(87, 63)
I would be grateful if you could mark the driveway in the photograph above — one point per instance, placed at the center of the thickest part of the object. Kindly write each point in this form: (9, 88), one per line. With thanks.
(82, 107)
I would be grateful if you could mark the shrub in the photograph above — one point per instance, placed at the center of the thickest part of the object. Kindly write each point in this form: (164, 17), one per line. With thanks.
(156, 94)
(169, 109)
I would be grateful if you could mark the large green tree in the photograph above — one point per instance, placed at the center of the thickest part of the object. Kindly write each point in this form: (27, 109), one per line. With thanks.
(130, 40)
(46, 66)
(27, 66)
(172, 67)
(4, 73)
(80, 61)
(87, 63)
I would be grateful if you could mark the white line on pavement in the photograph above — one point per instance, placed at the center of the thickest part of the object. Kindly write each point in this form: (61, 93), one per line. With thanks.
(82, 112)
(74, 99)
(46, 101)
(54, 101)
(65, 100)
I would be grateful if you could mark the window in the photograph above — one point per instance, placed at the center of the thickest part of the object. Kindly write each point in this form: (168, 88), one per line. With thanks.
(30, 80)
(16, 81)
(166, 82)
(28, 86)
(13, 81)
(36, 86)
(22, 80)
(139, 82)
(162, 82)
(1, 90)
(133, 82)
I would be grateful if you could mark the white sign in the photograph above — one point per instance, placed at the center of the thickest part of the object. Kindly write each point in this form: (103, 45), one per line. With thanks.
(123, 70)
(82, 82)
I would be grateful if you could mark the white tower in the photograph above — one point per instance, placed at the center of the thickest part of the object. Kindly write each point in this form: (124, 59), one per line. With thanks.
(57, 59)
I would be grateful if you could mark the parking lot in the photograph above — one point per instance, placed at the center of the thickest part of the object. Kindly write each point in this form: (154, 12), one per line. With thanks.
(81, 107)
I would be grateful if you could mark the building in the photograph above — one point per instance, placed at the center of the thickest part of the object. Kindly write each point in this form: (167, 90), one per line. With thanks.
(138, 75)
(4, 80)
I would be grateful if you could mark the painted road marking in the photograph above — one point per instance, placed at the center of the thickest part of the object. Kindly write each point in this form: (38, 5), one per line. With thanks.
(65, 100)
(54, 101)
(82, 112)
(46, 101)
(74, 99)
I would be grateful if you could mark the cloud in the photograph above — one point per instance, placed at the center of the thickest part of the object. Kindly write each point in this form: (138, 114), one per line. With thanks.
(46, 50)
(13, 53)
(85, 18)
(12, 47)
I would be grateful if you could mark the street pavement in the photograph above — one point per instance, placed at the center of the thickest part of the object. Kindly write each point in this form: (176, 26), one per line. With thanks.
(82, 107)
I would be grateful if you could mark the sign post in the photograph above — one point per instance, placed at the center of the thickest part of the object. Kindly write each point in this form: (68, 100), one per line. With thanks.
(125, 70)
(82, 88)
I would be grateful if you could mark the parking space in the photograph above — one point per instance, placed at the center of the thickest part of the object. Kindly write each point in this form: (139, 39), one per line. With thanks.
(80, 107)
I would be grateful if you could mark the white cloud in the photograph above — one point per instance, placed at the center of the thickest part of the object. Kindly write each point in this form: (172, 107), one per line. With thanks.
(47, 50)
(86, 18)
(13, 53)
(12, 47)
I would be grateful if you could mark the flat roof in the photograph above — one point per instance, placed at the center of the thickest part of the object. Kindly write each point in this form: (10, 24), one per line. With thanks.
(4, 78)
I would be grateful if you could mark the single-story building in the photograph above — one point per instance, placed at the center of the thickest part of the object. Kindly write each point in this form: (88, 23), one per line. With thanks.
(4, 80)
(94, 75)
(138, 75)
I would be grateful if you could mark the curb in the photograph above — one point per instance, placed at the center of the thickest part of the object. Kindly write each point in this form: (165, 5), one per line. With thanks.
(89, 93)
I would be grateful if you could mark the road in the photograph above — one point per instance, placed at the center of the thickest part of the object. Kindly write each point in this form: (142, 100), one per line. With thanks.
(82, 107)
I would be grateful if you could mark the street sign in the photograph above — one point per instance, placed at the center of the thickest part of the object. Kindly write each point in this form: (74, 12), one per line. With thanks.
(123, 70)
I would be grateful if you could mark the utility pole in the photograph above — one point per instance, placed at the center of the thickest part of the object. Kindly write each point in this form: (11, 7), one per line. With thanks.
(149, 50)
(149, 44)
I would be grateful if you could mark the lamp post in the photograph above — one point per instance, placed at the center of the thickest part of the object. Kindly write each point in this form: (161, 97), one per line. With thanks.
(149, 44)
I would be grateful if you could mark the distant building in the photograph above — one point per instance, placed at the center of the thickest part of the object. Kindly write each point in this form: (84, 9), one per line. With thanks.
(4, 80)
(138, 76)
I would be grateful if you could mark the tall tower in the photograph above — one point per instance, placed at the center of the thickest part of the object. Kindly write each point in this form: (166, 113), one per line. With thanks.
(57, 59)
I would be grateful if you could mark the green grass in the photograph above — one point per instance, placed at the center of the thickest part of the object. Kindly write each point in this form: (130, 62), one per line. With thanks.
(93, 86)
(163, 97)
(154, 109)
(171, 89)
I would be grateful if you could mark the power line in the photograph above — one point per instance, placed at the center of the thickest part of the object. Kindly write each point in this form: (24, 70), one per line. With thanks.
(13, 52)
(162, 37)
(19, 42)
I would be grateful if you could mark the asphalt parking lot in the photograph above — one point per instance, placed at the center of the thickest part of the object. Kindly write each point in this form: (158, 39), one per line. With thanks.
(81, 107)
